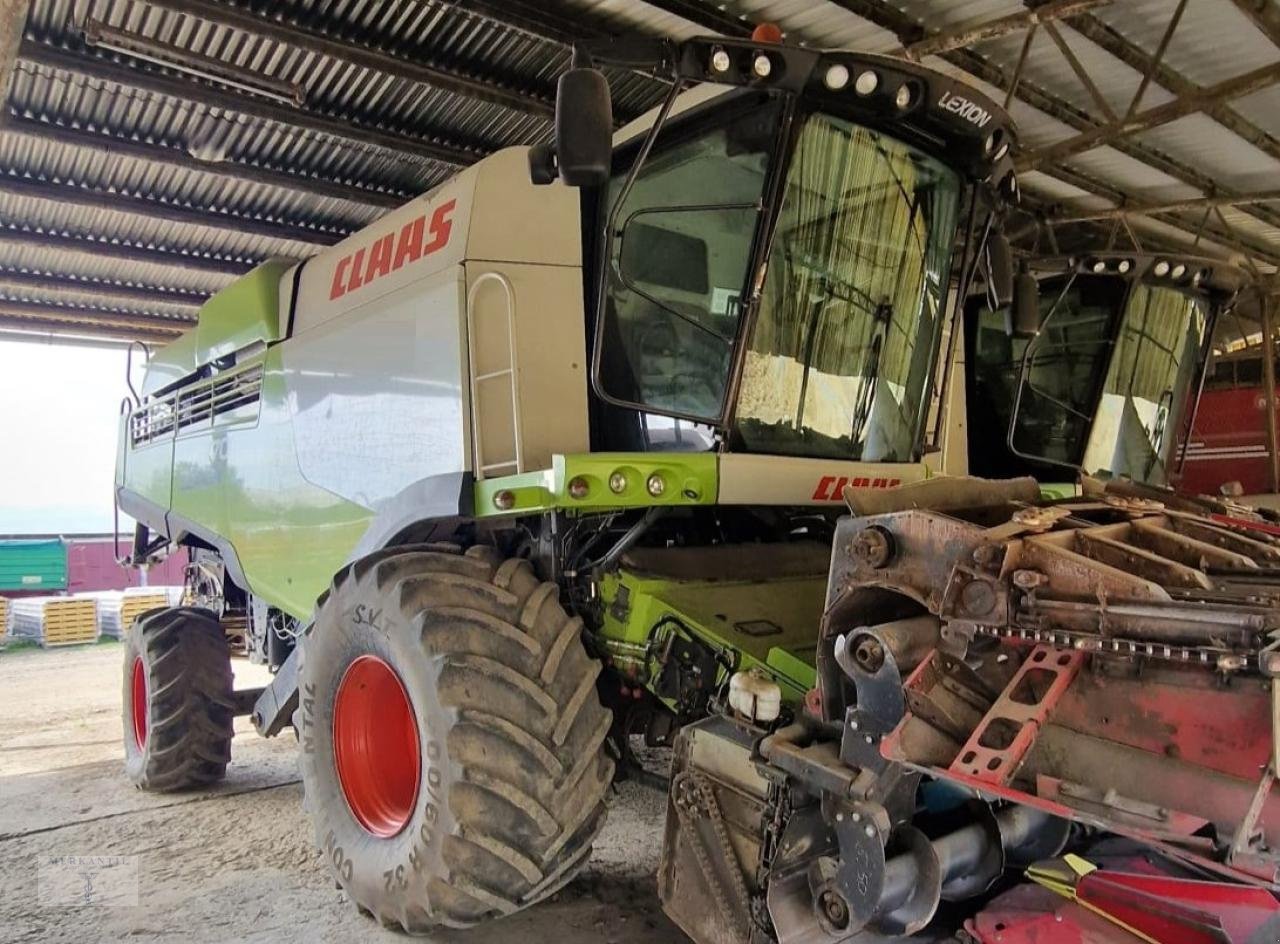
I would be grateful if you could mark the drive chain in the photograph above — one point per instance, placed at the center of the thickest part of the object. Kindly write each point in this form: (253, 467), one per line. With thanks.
(694, 799)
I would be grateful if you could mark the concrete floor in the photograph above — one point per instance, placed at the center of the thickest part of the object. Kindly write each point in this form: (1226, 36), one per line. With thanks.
(234, 864)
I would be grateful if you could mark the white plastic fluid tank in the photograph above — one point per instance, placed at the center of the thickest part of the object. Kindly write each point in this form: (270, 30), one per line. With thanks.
(755, 697)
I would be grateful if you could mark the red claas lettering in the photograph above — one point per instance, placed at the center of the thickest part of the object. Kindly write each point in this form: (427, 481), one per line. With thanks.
(392, 251)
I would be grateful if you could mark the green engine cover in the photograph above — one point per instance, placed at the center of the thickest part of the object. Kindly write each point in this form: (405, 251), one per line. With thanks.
(757, 606)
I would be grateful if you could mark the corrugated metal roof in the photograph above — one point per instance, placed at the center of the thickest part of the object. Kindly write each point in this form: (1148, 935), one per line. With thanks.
(519, 47)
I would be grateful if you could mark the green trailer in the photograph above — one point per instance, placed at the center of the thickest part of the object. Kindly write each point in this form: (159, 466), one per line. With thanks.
(33, 566)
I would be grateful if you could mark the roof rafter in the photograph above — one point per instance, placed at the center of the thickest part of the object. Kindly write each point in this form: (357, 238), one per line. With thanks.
(104, 287)
(169, 212)
(67, 314)
(1264, 14)
(714, 18)
(536, 101)
(1191, 222)
(1182, 106)
(1197, 203)
(12, 325)
(1110, 41)
(432, 146)
(536, 18)
(171, 156)
(125, 252)
(967, 35)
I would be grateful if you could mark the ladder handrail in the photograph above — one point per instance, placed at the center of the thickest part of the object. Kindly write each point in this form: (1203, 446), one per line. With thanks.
(510, 371)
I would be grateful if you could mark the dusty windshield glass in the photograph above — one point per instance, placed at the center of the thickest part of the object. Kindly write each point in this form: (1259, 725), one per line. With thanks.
(840, 359)
(1148, 385)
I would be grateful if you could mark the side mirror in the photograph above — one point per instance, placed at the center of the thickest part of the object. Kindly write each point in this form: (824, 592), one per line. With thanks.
(583, 152)
(1024, 313)
(999, 270)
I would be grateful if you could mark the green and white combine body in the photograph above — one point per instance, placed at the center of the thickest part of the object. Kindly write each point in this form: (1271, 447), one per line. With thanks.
(311, 396)
(436, 365)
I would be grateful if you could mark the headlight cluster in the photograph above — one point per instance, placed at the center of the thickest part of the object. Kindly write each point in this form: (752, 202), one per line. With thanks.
(1169, 270)
(867, 82)
(723, 63)
(1174, 271)
(1104, 264)
(632, 484)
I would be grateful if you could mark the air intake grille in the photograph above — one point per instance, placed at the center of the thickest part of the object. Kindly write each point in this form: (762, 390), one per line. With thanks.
(195, 406)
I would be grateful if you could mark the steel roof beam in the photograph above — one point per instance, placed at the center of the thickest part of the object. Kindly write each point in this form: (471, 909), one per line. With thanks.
(1157, 60)
(299, 35)
(1189, 222)
(1099, 100)
(536, 18)
(1180, 107)
(1199, 203)
(168, 212)
(713, 18)
(962, 36)
(1110, 41)
(66, 314)
(433, 147)
(15, 327)
(83, 284)
(125, 252)
(171, 156)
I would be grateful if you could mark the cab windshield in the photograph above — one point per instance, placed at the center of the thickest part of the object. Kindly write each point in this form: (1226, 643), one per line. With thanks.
(841, 354)
(1101, 387)
(1148, 385)
(839, 362)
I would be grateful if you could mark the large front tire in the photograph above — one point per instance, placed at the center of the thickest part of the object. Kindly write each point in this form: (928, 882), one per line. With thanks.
(452, 738)
(179, 708)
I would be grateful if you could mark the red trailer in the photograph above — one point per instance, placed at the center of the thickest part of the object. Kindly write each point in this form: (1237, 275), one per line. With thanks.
(1228, 442)
(91, 565)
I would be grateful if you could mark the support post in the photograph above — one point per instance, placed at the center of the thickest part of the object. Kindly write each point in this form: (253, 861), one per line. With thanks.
(1267, 304)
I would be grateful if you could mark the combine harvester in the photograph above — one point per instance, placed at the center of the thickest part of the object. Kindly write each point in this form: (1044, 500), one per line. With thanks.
(526, 469)
(1104, 375)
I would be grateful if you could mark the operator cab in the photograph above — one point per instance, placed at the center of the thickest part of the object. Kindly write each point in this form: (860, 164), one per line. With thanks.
(773, 254)
(1107, 377)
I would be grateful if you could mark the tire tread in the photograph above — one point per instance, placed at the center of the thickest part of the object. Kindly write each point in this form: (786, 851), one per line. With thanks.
(190, 704)
(523, 697)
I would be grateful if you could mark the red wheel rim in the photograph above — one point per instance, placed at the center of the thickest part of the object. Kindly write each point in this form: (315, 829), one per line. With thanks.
(375, 746)
(138, 697)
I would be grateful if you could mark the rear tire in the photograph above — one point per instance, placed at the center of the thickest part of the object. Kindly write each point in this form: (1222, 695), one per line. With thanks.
(178, 703)
(495, 804)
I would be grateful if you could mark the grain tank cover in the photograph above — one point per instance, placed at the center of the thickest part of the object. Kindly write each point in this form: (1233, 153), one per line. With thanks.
(245, 312)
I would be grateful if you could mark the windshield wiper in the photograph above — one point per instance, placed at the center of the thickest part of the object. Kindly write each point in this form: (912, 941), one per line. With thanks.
(870, 377)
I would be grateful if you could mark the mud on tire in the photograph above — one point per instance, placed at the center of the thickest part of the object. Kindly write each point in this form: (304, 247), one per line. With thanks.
(178, 703)
(511, 773)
